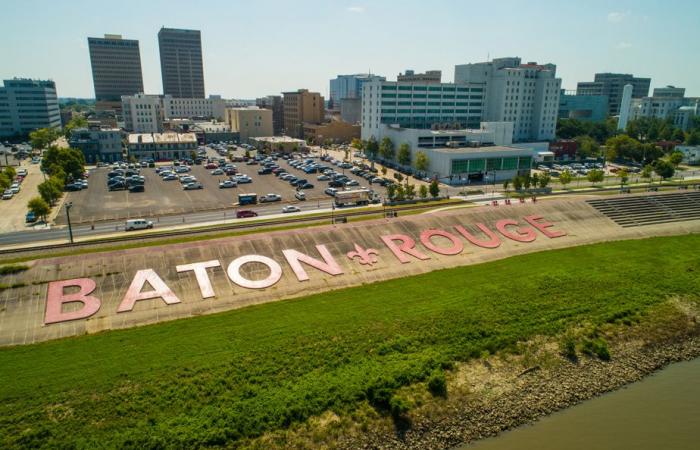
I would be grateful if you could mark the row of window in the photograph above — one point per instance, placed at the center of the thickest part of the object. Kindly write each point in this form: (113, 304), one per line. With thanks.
(386, 103)
(460, 166)
(459, 97)
(393, 87)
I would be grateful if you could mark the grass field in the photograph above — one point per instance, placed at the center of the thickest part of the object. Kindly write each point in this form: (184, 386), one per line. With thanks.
(218, 380)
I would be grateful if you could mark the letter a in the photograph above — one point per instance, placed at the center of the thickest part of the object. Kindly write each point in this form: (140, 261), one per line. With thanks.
(56, 298)
(134, 294)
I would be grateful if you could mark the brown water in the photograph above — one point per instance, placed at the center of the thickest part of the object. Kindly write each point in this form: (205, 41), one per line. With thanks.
(659, 412)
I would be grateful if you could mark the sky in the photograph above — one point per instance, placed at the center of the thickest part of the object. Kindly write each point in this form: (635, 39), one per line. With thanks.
(263, 47)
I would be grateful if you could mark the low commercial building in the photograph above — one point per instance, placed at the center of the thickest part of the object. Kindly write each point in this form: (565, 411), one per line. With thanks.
(489, 164)
(691, 154)
(488, 133)
(588, 108)
(564, 149)
(250, 122)
(208, 132)
(161, 146)
(301, 107)
(26, 105)
(142, 113)
(280, 144)
(335, 131)
(97, 145)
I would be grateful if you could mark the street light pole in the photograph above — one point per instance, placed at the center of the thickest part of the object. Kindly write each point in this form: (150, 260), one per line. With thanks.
(69, 205)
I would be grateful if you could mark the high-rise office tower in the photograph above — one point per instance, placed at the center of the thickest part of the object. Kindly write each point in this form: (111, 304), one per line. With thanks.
(181, 62)
(613, 85)
(116, 69)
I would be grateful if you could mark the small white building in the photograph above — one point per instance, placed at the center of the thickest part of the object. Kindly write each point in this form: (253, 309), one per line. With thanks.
(691, 154)
(187, 108)
(161, 146)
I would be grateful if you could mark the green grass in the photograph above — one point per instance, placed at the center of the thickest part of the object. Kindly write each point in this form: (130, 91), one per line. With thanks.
(217, 380)
(12, 269)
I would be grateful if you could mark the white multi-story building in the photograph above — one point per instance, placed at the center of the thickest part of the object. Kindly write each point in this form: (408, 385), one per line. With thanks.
(26, 105)
(668, 102)
(187, 108)
(142, 113)
(525, 94)
(420, 105)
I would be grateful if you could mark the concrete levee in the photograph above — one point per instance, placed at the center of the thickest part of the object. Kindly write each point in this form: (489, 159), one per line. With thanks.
(23, 309)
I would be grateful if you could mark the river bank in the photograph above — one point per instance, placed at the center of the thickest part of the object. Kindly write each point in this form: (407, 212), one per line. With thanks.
(493, 395)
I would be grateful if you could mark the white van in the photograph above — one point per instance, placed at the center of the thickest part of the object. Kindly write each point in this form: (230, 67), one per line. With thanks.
(137, 224)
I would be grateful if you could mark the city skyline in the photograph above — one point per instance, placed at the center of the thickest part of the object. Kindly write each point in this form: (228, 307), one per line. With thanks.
(250, 51)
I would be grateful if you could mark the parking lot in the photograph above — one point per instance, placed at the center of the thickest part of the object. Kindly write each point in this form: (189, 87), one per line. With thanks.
(162, 198)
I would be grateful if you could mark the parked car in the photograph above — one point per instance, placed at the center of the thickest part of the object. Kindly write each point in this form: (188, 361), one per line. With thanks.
(264, 171)
(137, 224)
(323, 178)
(217, 172)
(7, 195)
(192, 186)
(290, 209)
(300, 195)
(244, 179)
(170, 177)
(330, 191)
(227, 184)
(137, 188)
(74, 187)
(270, 198)
(30, 217)
(246, 213)
(306, 185)
(119, 186)
(352, 183)
(211, 166)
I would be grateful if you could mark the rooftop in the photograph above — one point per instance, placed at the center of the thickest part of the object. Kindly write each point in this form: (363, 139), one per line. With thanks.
(160, 138)
(277, 139)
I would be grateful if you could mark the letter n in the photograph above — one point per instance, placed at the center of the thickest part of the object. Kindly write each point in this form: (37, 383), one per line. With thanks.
(328, 265)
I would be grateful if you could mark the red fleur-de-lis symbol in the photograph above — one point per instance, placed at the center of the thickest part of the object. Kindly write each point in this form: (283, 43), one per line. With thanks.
(366, 256)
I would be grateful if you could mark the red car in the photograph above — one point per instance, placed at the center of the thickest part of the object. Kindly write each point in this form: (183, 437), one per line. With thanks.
(246, 213)
(211, 166)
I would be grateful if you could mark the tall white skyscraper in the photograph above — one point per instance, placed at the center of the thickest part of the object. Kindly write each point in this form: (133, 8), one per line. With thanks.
(525, 94)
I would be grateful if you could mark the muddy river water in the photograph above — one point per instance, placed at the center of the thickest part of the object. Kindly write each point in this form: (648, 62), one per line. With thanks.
(660, 412)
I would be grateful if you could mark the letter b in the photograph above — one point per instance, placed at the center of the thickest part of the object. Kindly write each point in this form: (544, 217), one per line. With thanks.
(56, 298)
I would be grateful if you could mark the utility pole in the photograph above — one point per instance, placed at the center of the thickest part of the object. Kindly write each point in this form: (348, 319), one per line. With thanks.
(69, 205)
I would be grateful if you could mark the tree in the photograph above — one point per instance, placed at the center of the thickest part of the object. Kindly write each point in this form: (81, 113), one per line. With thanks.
(10, 172)
(346, 152)
(386, 149)
(384, 170)
(410, 191)
(391, 191)
(75, 122)
(404, 154)
(506, 184)
(50, 190)
(565, 178)
(434, 189)
(356, 143)
(675, 158)
(422, 161)
(400, 193)
(693, 138)
(5, 181)
(398, 177)
(647, 171)
(623, 175)
(570, 128)
(372, 148)
(423, 191)
(67, 160)
(623, 147)
(39, 207)
(587, 147)
(527, 181)
(664, 169)
(517, 183)
(535, 180)
(544, 180)
(595, 176)
(43, 137)
(678, 135)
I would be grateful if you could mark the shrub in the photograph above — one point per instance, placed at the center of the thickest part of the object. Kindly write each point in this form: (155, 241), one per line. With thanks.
(437, 384)
(597, 347)
(399, 407)
(567, 347)
(12, 268)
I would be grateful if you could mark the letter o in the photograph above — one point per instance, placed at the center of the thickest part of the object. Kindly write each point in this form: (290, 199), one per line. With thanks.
(234, 272)
(456, 248)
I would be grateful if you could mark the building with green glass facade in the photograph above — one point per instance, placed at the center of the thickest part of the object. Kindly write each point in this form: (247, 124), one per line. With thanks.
(479, 164)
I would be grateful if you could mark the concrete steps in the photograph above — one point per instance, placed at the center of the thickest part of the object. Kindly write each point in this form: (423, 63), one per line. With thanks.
(650, 209)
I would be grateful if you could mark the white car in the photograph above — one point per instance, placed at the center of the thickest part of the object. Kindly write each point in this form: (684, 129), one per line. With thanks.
(217, 172)
(270, 198)
(7, 195)
(300, 195)
(192, 186)
(227, 184)
(15, 188)
(290, 209)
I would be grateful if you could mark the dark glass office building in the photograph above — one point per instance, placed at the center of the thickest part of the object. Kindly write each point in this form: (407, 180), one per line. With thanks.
(181, 62)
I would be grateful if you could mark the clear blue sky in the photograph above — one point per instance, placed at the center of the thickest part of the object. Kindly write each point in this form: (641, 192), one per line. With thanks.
(259, 47)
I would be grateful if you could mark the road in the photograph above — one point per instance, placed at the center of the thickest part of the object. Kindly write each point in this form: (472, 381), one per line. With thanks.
(269, 210)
